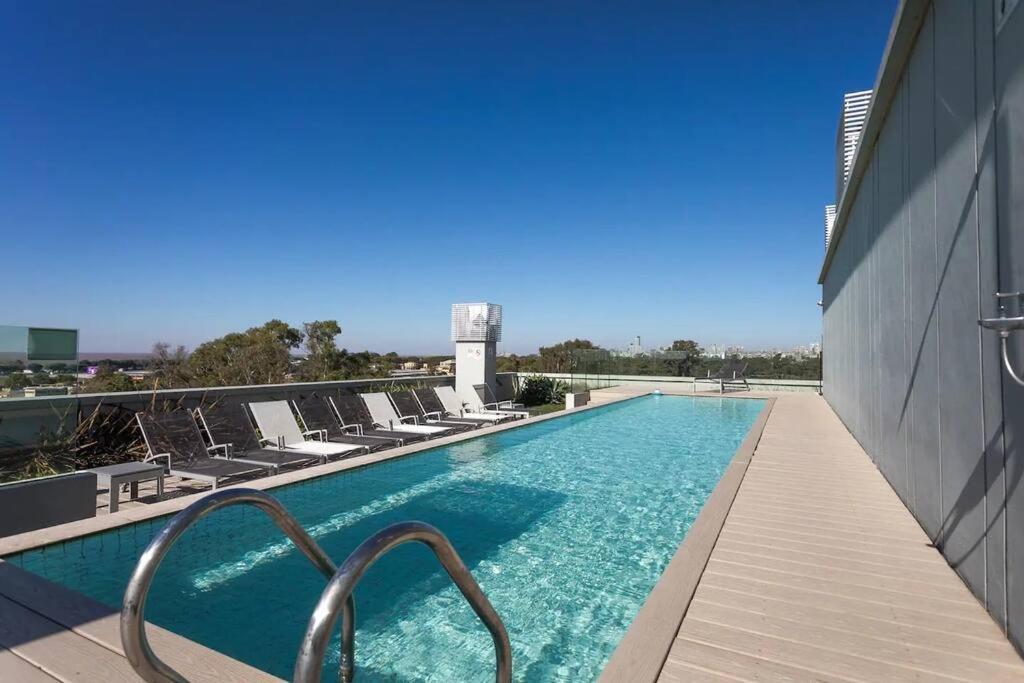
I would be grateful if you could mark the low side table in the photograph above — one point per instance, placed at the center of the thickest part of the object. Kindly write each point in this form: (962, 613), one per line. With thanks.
(129, 473)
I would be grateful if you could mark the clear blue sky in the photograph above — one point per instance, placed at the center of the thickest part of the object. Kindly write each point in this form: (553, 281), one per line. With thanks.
(175, 171)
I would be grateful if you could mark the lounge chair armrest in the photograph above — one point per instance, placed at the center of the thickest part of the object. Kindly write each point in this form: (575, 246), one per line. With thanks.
(414, 418)
(317, 434)
(358, 429)
(435, 413)
(491, 406)
(165, 456)
(228, 448)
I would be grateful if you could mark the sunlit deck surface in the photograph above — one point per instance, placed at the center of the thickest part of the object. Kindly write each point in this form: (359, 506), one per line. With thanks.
(820, 573)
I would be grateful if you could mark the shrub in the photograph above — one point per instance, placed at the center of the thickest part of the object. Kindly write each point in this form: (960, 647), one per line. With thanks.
(536, 390)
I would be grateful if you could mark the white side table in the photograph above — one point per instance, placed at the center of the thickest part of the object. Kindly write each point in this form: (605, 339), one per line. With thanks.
(129, 473)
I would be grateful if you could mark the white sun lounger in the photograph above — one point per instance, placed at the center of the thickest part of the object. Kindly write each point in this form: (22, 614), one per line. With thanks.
(451, 402)
(384, 416)
(278, 428)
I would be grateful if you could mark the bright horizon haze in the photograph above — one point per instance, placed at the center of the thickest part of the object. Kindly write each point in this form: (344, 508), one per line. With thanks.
(175, 172)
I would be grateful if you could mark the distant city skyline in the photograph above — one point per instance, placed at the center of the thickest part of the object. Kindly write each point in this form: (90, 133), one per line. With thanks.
(177, 172)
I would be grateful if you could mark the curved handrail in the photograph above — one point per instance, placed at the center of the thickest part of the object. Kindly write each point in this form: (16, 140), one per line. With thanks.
(1007, 364)
(133, 623)
(339, 589)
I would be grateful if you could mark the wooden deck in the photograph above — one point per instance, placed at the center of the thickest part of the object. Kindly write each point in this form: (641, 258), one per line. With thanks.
(821, 574)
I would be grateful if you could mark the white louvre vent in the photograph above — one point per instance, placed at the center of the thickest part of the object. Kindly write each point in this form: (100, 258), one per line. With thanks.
(476, 322)
(830, 220)
(852, 118)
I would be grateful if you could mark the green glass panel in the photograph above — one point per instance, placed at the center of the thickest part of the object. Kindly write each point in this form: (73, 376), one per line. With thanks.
(13, 342)
(52, 344)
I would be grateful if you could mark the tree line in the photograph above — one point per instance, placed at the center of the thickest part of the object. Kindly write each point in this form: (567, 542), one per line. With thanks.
(684, 358)
(270, 354)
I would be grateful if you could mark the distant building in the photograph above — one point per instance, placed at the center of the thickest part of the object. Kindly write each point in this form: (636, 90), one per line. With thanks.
(851, 124)
(32, 392)
(631, 350)
(446, 367)
(409, 373)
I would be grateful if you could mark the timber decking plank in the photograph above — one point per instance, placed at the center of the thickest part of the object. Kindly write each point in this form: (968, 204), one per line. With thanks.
(14, 668)
(821, 573)
(63, 654)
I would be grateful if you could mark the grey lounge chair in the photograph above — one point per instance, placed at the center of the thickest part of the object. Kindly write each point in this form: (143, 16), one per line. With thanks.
(384, 415)
(454, 406)
(488, 401)
(431, 404)
(505, 392)
(317, 415)
(352, 413)
(729, 375)
(277, 425)
(229, 430)
(174, 438)
(406, 405)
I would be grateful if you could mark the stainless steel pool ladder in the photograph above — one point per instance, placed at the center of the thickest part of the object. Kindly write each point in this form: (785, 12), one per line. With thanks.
(337, 596)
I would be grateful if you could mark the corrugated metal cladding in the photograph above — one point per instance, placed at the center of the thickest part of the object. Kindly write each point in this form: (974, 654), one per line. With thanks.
(935, 229)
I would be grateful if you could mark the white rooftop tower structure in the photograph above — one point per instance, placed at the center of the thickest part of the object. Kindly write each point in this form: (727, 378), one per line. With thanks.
(476, 331)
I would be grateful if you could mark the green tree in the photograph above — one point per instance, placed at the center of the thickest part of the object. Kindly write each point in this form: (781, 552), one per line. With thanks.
(683, 357)
(324, 361)
(18, 380)
(559, 357)
(260, 355)
(289, 336)
(106, 380)
(170, 367)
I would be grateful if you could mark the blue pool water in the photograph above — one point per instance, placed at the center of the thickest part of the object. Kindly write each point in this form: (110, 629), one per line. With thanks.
(566, 525)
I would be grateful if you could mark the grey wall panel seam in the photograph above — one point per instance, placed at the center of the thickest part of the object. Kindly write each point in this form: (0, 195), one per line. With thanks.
(1002, 380)
(981, 361)
(935, 235)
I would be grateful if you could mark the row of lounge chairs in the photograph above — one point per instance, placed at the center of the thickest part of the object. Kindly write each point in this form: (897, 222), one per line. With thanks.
(227, 439)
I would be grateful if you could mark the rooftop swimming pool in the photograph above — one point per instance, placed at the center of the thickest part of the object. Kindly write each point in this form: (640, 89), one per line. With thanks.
(566, 524)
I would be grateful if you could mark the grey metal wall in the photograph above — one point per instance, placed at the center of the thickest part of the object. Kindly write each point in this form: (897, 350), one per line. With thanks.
(934, 230)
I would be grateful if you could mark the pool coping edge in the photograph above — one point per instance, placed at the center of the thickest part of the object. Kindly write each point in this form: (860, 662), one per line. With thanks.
(642, 652)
